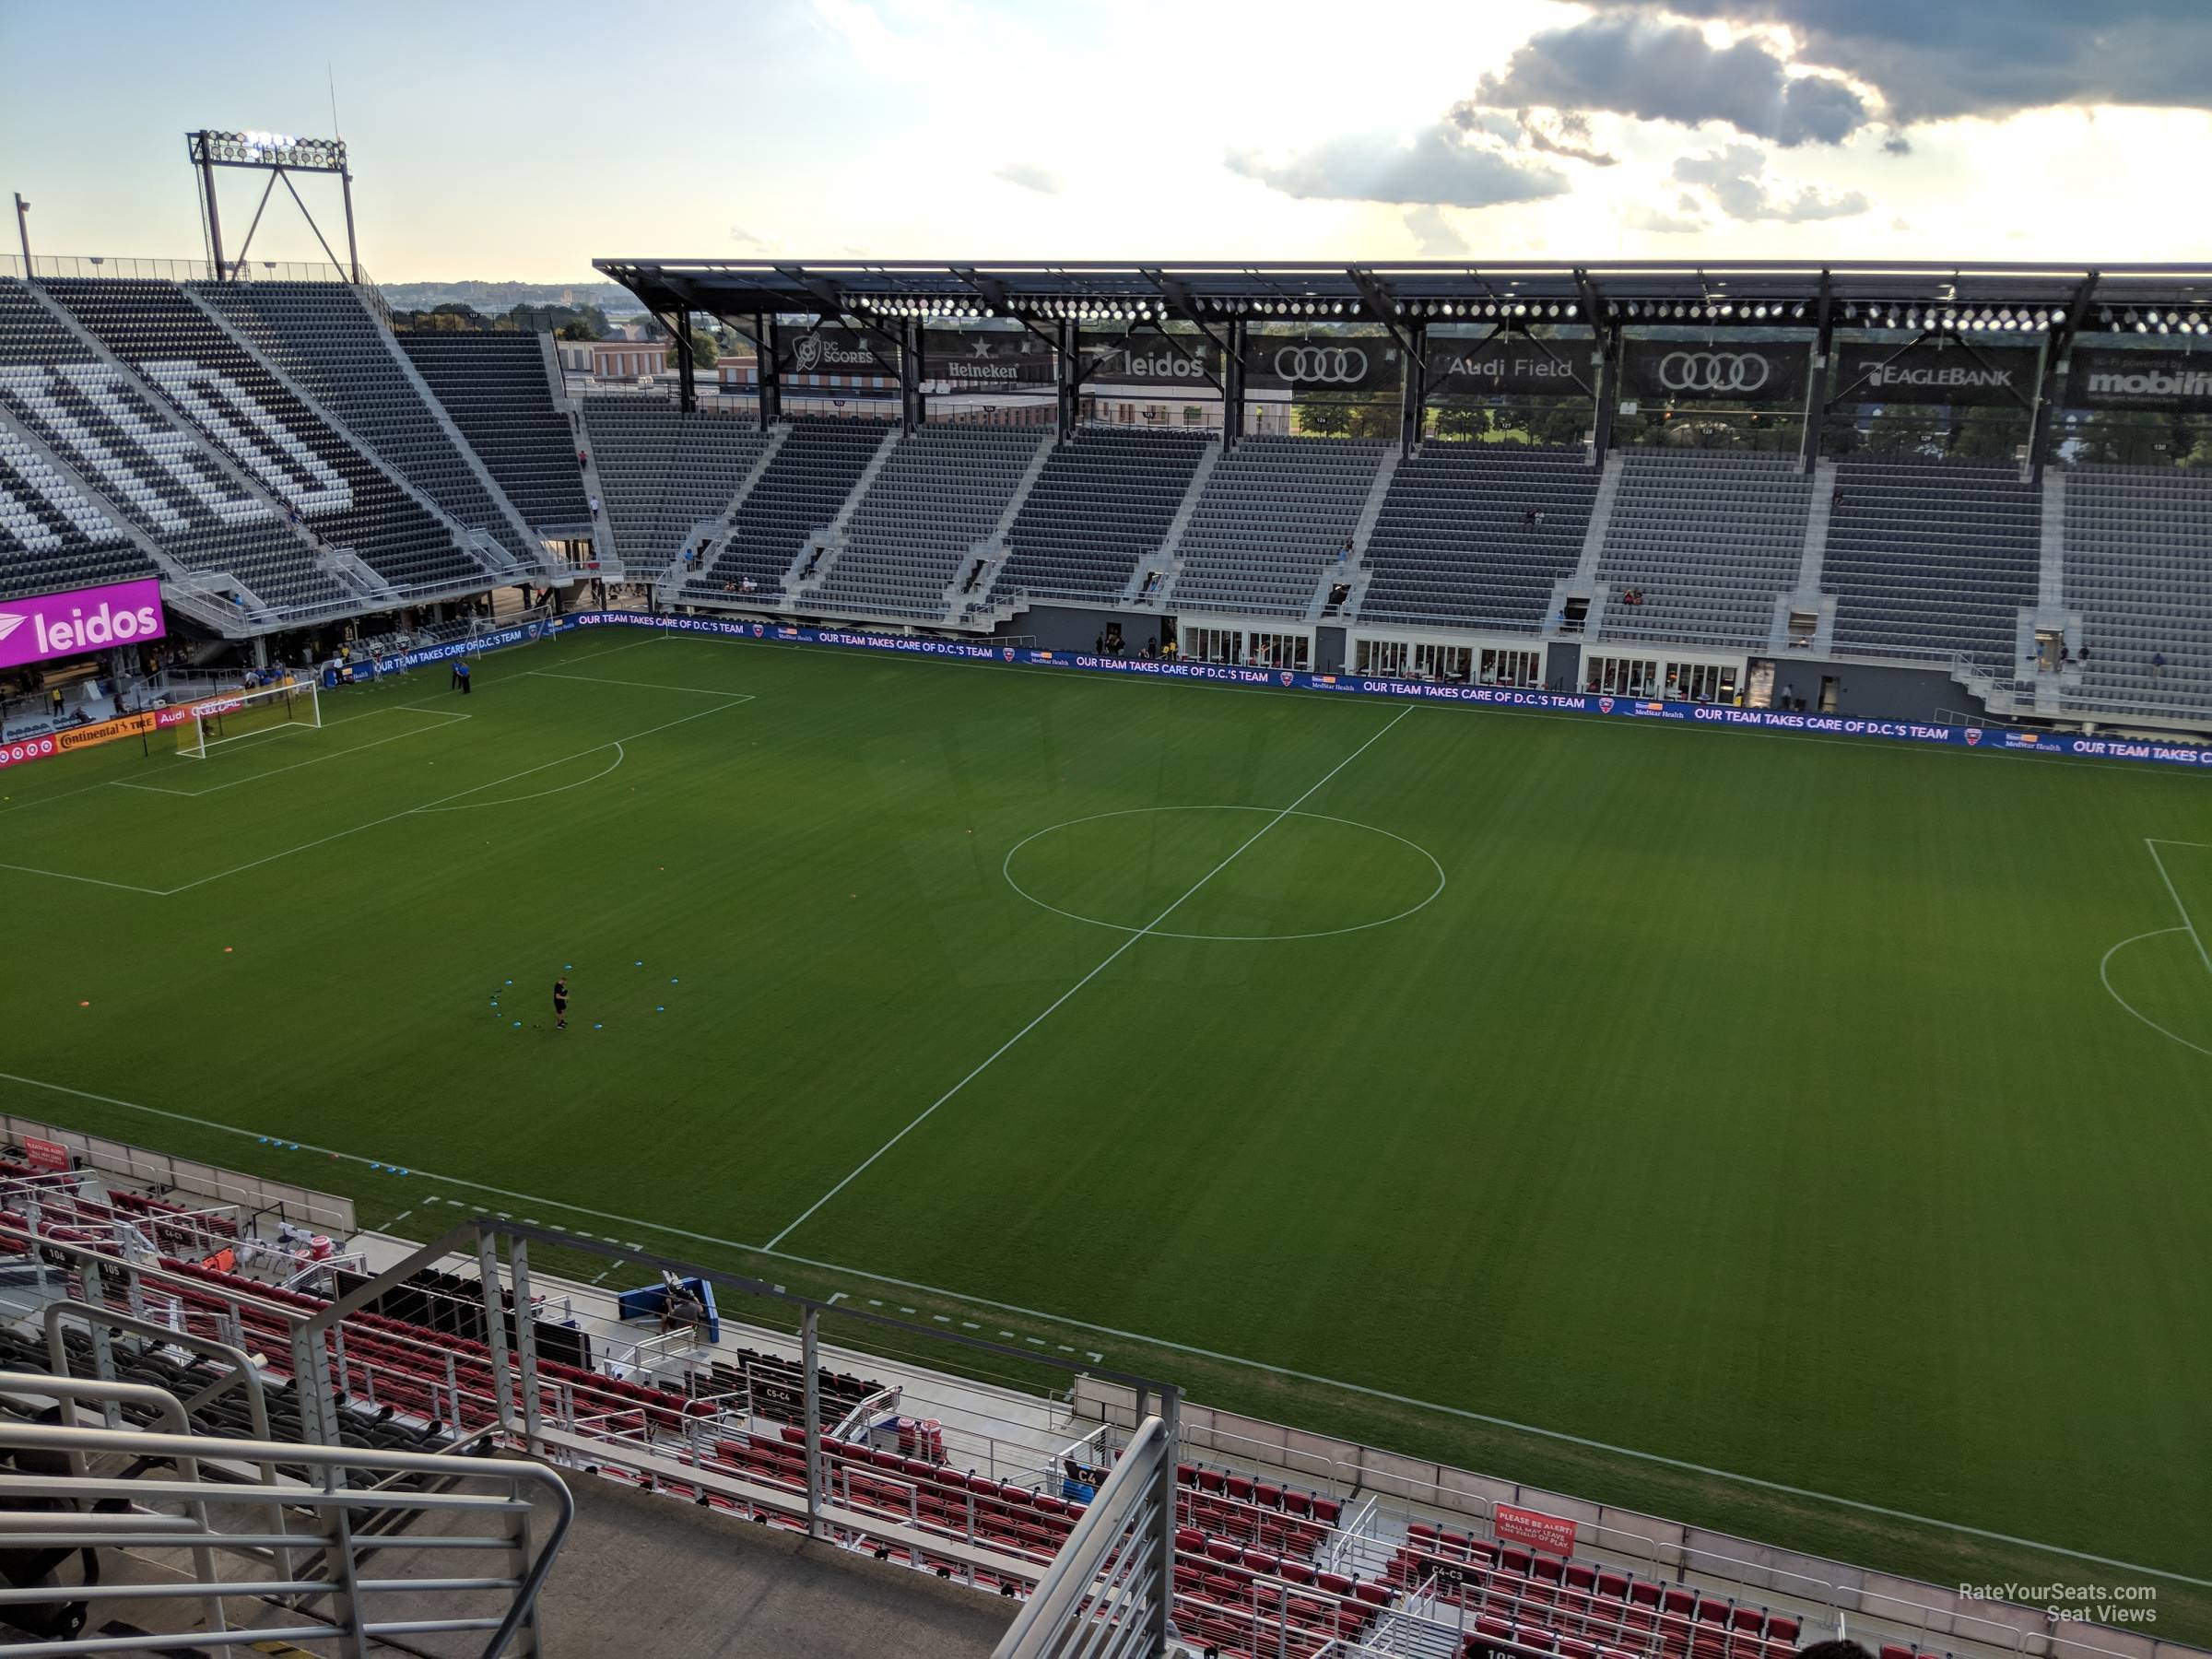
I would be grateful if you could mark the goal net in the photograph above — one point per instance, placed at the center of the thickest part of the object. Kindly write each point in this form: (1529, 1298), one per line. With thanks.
(246, 714)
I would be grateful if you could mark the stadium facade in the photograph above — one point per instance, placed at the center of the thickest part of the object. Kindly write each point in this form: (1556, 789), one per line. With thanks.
(1059, 453)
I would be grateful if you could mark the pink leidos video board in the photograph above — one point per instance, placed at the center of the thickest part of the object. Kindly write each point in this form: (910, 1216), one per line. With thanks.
(93, 619)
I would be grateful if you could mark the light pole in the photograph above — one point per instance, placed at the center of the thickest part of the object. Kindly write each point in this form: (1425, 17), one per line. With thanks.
(23, 232)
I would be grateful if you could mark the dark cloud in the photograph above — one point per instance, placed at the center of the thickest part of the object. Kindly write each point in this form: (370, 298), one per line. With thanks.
(1897, 144)
(1443, 167)
(1735, 180)
(1433, 234)
(1563, 132)
(1028, 177)
(1987, 58)
(1658, 71)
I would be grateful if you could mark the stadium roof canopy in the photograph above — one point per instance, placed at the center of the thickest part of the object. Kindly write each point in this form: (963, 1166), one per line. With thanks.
(2133, 298)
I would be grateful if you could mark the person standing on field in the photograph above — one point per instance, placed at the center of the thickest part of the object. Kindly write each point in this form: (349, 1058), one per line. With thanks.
(561, 1003)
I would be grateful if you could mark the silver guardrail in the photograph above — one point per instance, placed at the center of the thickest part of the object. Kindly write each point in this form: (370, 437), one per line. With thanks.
(314, 1548)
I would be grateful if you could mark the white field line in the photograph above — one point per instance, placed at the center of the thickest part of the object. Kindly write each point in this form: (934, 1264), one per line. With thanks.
(1111, 956)
(442, 800)
(1561, 1436)
(2104, 975)
(2151, 844)
(447, 715)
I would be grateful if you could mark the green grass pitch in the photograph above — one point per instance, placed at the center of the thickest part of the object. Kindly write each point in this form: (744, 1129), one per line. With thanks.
(1777, 1106)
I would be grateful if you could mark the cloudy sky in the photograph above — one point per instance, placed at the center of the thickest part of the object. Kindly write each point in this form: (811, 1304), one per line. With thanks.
(521, 142)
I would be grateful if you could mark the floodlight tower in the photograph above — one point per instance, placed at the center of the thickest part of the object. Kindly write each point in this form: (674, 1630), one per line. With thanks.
(279, 155)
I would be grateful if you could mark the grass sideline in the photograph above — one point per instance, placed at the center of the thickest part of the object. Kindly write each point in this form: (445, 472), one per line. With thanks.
(1745, 1100)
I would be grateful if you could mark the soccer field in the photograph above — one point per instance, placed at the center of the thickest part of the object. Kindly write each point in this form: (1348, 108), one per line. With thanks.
(1829, 1112)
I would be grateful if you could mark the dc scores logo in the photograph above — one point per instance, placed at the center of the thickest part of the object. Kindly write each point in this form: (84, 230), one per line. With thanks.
(808, 355)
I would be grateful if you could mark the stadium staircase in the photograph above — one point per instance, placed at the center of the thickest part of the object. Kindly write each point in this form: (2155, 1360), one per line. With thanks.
(1155, 575)
(52, 533)
(711, 532)
(502, 394)
(1275, 522)
(1804, 618)
(811, 475)
(1105, 499)
(1709, 541)
(1932, 559)
(326, 341)
(1453, 546)
(818, 554)
(2135, 575)
(245, 408)
(218, 532)
(970, 595)
(1371, 513)
(912, 531)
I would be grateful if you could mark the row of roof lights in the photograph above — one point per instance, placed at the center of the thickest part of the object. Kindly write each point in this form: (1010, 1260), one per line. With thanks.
(2002, 319)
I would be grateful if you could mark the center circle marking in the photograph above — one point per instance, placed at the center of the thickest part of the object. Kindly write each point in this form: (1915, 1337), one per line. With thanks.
(1006, 870)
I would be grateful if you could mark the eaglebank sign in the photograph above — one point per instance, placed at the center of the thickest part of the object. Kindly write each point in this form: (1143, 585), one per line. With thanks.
(124, 613)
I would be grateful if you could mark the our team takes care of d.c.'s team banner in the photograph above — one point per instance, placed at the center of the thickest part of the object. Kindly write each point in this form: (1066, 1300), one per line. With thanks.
(2078, 744)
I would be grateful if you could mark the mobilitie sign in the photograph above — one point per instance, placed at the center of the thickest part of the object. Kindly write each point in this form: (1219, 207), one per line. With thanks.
(2106, 377)
(84, 619)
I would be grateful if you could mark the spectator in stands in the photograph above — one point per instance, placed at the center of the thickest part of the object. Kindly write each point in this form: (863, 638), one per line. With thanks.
(2158, 664)
(1344, 554)
(1835, 498)
(1528, 518)
(2082, 656)
(594, 506)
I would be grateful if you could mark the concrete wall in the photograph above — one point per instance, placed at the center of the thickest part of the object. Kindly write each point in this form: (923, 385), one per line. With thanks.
(304, 1205)
(1077, 628)
(1872, 693)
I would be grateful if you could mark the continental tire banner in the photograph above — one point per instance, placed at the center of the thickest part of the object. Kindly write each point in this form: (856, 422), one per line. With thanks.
(1508, 367)
(1320, 363)
(1672, 371)
(1933, 371)
(2103, 378)
(984, 360)
(836, 351)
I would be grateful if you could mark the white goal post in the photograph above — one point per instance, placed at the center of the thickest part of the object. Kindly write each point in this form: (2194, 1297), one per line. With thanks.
(241, 714)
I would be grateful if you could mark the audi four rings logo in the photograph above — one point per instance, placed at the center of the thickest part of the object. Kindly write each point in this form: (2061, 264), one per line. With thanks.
(1714, 371)
(1321, 365)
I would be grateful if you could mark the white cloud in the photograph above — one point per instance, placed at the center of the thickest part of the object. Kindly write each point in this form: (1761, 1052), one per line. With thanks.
(1030, 178)
(1443, 166)
(1433, 234)
(1735, 180)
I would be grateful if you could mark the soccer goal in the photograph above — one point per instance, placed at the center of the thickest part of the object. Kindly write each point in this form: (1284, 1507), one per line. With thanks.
(244, 713)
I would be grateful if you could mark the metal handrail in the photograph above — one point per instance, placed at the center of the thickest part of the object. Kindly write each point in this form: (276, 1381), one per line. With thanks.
(1061, 1594)
(330, 1499)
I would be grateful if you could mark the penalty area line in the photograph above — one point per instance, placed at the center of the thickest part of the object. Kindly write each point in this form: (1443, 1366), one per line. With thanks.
(1563, 1436)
